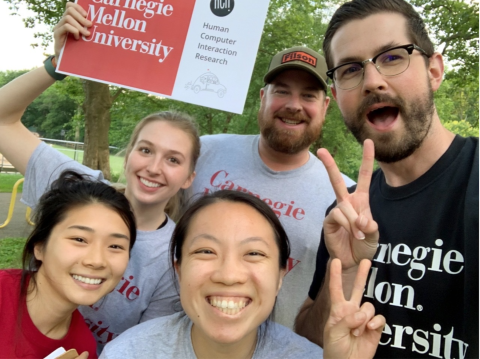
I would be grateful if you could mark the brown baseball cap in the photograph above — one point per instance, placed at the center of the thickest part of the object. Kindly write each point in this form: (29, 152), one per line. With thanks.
(301, 58)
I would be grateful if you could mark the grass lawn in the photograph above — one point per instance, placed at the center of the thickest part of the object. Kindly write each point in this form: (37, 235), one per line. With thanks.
(11, 252)
(7, 180)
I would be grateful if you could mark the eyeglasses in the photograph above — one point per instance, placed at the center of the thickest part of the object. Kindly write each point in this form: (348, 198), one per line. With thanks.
(391, 62)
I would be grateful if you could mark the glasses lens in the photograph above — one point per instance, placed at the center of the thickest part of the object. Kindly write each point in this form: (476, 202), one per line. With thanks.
(348, 75)
(393, 62)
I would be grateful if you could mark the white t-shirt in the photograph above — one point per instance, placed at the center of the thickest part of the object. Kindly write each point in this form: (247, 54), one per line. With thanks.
(170, 337)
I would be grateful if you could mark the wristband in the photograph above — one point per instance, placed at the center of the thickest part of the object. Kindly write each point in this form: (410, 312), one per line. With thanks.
(51, 69)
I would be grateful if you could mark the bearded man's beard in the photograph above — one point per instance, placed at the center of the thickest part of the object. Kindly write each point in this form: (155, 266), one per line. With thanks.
(288, 141)
(391, 146)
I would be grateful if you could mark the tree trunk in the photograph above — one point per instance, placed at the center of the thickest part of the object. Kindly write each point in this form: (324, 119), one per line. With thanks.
(77, 133)
(97, 123)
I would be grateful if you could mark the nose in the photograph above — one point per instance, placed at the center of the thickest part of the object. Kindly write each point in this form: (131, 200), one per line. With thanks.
(293, 104)
(95, 257)
(154, 167)
(230, 271)
(373, 80)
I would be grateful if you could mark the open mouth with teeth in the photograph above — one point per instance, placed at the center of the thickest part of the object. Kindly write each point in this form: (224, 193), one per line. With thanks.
(87, 280)
(289, 122)
(149, 184)
(229, 305)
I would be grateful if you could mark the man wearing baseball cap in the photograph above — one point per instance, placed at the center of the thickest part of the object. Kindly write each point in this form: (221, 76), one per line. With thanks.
(278, 167)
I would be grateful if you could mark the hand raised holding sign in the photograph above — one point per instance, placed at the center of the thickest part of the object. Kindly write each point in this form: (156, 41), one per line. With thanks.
(351, 331)
(351, 234)
(73, 21)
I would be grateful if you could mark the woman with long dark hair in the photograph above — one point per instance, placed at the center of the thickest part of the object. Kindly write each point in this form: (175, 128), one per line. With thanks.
(76, 254)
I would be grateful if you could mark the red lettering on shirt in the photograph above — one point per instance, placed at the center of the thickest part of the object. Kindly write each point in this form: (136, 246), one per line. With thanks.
(291, 263)
(219, 181)
(127, 289)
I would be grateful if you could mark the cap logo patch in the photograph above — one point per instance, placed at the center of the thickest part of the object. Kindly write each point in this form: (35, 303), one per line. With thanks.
(299, 56)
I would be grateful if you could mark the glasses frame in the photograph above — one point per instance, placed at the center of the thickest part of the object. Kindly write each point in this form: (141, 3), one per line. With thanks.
(408, 47)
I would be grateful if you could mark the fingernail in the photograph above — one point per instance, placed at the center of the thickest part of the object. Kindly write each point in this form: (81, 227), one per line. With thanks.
(356, 332)
(360, 235)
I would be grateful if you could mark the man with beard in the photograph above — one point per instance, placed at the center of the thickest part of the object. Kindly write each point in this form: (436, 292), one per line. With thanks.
(424, 198)
(277, 166)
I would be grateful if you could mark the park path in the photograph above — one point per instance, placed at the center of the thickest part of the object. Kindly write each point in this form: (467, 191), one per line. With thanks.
(18, 226)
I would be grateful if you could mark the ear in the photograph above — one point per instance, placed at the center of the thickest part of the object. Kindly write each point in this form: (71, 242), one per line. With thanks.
(38, 252)
(189, 180)
(177, 269)
(334, 91)
(280, 279)
(435, 70)
(325, 105)
(263, 91)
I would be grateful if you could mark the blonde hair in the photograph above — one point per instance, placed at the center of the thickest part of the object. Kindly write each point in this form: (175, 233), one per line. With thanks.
(185, 123)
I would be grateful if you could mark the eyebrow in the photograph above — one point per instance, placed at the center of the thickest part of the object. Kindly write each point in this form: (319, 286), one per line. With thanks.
(216, 240)
(378, 50)
(151, 144)
(91, 230)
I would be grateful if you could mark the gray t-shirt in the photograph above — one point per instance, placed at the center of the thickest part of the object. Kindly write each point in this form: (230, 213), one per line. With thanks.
(147, 289)
(299, 197)
(169, 337)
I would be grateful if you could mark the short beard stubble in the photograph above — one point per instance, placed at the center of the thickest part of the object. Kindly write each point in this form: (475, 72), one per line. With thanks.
(286, 141)
(389, 147)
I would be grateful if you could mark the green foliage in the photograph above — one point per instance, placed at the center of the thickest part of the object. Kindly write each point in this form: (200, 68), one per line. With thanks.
(11, 252)
(338, 140)
(129, 108)
(457, 106)
(54, 110)
(461, 128)
(453, 25)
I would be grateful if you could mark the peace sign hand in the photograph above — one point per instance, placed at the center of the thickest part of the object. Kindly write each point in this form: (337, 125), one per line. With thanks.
(351, 331)
(350, 232)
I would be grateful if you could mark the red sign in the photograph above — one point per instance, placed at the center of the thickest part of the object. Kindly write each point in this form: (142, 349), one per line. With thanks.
(143, 38)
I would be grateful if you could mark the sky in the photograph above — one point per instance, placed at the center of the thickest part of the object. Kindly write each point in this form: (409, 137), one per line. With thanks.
(15, 39)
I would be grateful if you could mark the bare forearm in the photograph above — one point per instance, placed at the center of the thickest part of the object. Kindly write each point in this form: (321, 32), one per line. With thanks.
(310, 321)
(17, 143)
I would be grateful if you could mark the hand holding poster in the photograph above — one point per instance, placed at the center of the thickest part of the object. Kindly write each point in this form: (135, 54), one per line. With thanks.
(196, 51)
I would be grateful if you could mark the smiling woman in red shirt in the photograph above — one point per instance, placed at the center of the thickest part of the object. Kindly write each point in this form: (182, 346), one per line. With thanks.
(76, 254)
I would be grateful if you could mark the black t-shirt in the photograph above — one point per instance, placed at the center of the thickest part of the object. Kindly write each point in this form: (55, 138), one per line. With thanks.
(424, 276)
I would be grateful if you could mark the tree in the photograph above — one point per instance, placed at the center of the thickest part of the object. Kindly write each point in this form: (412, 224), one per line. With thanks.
(97, 96)
(453, 24)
